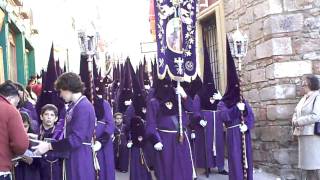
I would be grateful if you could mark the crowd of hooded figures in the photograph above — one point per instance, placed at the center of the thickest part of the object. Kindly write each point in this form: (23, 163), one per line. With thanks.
(86, 127)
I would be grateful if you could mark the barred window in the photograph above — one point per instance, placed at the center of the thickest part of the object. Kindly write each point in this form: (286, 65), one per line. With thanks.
(210, 35)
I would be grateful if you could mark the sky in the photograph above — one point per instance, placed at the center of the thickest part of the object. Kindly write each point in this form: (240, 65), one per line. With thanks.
(123, 24)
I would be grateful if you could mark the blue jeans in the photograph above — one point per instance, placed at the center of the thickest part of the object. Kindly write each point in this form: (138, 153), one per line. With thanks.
(5, 177)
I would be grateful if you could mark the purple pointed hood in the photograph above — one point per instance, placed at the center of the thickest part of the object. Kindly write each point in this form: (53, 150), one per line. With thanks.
(49, 95)
(138, 100)
(232, 94)
(208, 88)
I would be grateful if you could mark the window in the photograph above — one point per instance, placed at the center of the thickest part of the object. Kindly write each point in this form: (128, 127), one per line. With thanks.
(210, 35)
(12, 57)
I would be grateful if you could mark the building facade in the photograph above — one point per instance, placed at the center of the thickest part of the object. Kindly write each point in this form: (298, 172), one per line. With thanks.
(284, 45)
(17, 59)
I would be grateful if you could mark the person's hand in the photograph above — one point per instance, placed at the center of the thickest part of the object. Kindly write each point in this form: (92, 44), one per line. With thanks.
(295, 123)
(217, 96)
(128, 103)
(33, 136)
(203, 123)
(42, 148)
(27, 159)
(193, 135)
(158, 146)
(241, 106)
(181, 91)
(129, 145)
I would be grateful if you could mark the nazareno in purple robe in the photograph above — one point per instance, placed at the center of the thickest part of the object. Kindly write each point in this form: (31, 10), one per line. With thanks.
(121, 152)
(139, 162)
(174, 162)
(214, 139)
(231, 117)
(80, 123)
(104, 130)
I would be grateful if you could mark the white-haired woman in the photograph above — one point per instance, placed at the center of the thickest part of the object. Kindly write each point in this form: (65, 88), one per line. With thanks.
(307, 113)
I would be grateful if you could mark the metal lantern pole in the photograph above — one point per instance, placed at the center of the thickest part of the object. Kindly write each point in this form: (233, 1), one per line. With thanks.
(179, 62)
(240, 45)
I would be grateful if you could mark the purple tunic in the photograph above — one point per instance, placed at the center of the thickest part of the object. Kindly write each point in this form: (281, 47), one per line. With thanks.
(79, 132)
(51, 162)
(231, 118)
(139, 162)
(121, 152)
(138, 166)
(213, 158)
(174, 162)
(24, 171)
(104, 131)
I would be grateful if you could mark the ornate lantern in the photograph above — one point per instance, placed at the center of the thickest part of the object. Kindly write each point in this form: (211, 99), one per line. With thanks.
(239, 45)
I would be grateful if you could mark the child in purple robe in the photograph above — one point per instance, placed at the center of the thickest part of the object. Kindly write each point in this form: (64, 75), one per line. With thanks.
(51, 162)
(121, 151)
(26, 167)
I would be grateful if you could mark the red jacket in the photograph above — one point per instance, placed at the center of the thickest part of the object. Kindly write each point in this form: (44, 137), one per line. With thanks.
(13, 139)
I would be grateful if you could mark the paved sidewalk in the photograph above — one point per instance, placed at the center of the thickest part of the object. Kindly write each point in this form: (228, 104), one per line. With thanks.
(258, 175)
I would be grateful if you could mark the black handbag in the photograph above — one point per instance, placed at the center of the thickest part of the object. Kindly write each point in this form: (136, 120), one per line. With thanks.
(317, 128)
(317, 124)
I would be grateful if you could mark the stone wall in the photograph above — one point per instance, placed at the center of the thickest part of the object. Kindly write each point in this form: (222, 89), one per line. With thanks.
(284, 45)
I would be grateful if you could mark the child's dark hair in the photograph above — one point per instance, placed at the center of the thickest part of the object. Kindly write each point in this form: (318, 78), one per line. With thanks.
(26, 119)
(49, 107)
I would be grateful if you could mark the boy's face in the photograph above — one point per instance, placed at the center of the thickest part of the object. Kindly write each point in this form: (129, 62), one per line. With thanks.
(118, 119)
(48, 118)
(26, 126)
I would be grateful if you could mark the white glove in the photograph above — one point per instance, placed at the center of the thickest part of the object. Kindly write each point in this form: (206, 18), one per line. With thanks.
(129, 145)
(203, 123)
(147, 87)
(217, 96)
(181, 91)
(241, 106)
(42, 148)
(158, 146)
(193, 135)
(128, 103)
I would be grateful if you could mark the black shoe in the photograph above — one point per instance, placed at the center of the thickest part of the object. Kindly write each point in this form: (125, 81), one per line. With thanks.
(223, 172)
